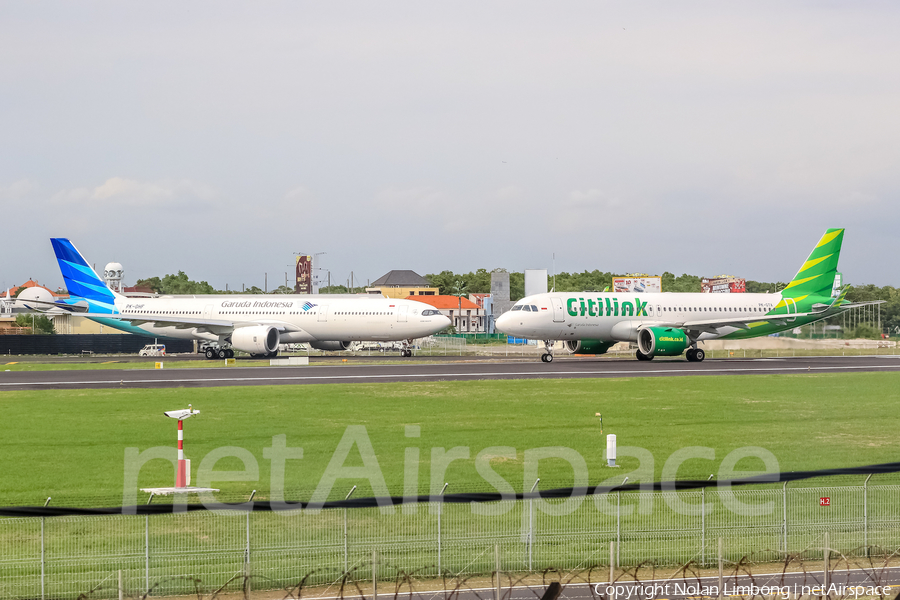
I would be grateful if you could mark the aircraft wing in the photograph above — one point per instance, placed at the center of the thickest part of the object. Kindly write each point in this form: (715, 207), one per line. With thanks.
(858, 304)
(76, 307)
(713, 325)
(216, 326)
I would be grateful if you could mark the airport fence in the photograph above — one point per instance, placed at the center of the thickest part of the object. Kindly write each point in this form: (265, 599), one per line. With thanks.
(210, 551)
(60, 343)
(440, 345)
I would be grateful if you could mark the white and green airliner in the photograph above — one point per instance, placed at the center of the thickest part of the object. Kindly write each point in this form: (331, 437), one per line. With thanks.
(671, 324)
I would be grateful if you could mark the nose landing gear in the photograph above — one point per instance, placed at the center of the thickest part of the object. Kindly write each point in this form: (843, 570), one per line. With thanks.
(547, 356)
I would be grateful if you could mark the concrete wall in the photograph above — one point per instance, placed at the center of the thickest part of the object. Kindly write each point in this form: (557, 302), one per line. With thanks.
(500, 292)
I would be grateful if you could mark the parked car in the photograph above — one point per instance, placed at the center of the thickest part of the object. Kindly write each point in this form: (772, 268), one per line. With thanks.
(153, 350)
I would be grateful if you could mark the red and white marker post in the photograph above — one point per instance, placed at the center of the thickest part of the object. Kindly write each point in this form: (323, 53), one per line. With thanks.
(181, 475)
(181, 471)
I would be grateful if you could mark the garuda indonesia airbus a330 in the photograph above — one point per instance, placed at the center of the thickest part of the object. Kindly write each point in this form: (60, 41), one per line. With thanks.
(255, 324)
(670, 324)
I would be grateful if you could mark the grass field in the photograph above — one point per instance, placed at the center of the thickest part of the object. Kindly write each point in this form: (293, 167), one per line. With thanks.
(71, 444)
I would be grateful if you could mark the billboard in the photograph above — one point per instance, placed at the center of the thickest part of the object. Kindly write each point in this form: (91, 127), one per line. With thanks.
(535, 281)
(724, 284)
(637, 284)
(304, 275)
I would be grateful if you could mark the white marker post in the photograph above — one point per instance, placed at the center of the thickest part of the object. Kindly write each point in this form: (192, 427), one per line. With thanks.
(611, 450)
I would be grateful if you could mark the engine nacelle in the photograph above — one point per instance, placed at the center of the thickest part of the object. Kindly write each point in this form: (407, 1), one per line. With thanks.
(259, 339)
(330, 346)
(662, 341)
(588, 346)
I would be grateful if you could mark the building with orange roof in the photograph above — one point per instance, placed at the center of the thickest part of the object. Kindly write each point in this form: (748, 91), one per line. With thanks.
(30, 284)
(464, 315)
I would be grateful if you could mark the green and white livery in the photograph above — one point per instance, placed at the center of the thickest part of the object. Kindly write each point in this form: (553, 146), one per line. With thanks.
(670, 324)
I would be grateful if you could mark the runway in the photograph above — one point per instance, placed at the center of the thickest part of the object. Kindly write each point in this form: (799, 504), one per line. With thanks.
(456, 370)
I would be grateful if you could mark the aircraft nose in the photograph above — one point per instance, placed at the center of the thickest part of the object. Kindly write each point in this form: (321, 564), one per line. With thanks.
(503, 322)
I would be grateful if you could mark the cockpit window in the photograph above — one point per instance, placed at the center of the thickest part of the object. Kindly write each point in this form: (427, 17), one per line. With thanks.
(428, 312)
(534, 308)
(526, 308)
(517, 307)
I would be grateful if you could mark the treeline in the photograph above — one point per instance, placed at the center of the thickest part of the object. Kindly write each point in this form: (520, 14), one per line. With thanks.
(479, 281)
(587, 281)
(181, 284)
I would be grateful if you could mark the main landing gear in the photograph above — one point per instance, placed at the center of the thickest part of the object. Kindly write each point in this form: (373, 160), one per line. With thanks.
(213, 353)
(695, 354)
(547, 356)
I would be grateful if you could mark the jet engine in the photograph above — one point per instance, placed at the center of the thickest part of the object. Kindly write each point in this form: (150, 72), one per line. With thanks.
(331, 346)
(588, 346)
(662, 341)
(259, 339)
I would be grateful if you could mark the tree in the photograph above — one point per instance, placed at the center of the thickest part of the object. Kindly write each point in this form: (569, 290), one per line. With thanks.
(516, 286)
(153, 283)
(42, 324)
(283, 289)
(588, 281)
(758, 287)
(443, 281)
(19, 291)
(685, 283)
(181, 284)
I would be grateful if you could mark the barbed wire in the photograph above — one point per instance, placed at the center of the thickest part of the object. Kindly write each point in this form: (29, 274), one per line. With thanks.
(876, 575)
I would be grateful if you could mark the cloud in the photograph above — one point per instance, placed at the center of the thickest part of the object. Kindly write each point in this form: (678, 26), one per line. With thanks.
(504, 131)
(18, 190)
(130, 193)
(414, 199)
(591, 200)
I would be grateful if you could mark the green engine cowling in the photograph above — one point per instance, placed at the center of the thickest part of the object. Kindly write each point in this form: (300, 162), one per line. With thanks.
(588, 346)
(662, 341)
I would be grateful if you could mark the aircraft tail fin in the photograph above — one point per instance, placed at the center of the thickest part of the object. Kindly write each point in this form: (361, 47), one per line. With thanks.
(81, 280)
(816, 276)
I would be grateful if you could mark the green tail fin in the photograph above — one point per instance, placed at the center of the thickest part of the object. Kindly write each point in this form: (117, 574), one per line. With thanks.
(816, 276)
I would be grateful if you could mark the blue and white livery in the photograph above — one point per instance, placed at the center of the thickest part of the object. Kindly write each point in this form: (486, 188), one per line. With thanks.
(255, 324)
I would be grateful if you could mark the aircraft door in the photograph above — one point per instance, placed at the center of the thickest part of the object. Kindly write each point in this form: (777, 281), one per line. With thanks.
(323, 313)
(207, 311)
(401, 314)
(791, 306)
(559, 314)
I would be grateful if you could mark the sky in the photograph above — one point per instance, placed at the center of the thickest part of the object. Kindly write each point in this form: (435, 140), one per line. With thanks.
(220, 138)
